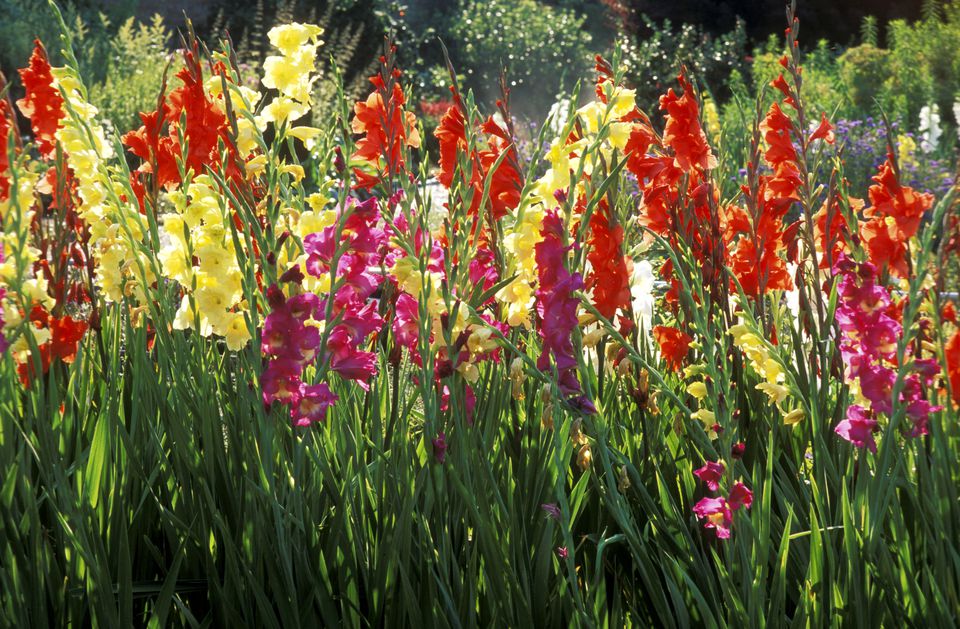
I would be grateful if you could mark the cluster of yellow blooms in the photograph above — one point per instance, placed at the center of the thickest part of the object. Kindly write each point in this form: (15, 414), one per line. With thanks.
(114, 225)
(16, 264)
(291, 72)
(698, 389)
(520, 242)
(199, 254)
(522, 236)
(768, 368)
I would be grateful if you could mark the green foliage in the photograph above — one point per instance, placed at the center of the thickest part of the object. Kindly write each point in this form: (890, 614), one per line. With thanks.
(134, 68)
(543, 48)
(822, 86)
(865, 70)
(652, 56)
(925, 68)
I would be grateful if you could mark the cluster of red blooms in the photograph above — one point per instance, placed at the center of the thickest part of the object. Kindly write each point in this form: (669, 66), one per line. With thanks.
(386, 127)
(185, 112)
(62, 260)
(506, 182)
(680, 159)
(609, 276)
(758, 236)
(893, 219)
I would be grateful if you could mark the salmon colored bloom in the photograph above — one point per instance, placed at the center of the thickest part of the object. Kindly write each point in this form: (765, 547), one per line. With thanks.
(893, 219)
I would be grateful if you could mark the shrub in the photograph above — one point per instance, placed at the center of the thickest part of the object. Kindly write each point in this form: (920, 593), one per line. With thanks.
(134, 69)
(864, 70)
(544, 48)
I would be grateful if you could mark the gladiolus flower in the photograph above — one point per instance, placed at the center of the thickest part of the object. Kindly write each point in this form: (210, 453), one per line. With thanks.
(556, 306)
(710, 473)
(858, 428)
(43, 104)
(953, 365)
(674, 345)
(717, 515)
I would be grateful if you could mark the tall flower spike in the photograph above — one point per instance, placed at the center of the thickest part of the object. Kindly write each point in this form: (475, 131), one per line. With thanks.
(42, 103)
(557, 309)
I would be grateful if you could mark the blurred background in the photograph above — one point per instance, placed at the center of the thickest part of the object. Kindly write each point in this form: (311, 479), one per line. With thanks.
(895, 57)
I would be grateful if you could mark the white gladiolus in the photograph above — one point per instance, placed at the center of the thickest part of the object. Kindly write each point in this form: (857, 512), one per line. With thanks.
(641, 289)
(929, 128)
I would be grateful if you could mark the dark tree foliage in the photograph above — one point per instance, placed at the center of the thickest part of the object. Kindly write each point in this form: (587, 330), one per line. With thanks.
(835, 20)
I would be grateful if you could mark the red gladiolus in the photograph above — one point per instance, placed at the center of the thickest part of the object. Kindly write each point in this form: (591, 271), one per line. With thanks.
(205, 126)
(894, 218)
(609, 278)
(42, 104)
(683, 133)
(386, 128)
(452, 137)
(953, 365)
(506, 182)
(674, 345)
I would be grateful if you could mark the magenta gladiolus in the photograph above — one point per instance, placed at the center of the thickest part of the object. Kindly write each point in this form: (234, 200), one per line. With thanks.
(858, 428)
(557, 309)
(717, 515)
(711, 473)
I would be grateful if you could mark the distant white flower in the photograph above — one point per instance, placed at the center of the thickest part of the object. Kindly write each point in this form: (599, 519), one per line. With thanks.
(929, 128)
(956, 116)
(641, 289)
(558, 115)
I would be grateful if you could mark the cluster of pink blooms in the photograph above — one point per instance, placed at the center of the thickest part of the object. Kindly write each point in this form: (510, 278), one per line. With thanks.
(557, 310)
(353, 313)
(4, 343)
(870, 333)
(291, 344)
(291, 336)
(718, 512)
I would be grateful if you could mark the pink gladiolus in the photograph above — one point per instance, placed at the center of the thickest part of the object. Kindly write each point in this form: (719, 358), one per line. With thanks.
(868, 346)
(858, 428)
(281, 381)
(313, 404)
(557, 309)
(551, 509)
(711, 473)
(440, 447)
(740, 496)
(717, 515)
